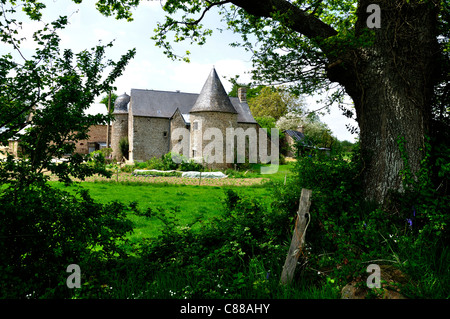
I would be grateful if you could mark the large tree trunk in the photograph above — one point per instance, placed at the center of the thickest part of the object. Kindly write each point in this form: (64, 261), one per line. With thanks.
(390, 77)
(391, 84)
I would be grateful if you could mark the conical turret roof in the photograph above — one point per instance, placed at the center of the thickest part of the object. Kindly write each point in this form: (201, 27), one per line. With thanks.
(121, 103)
(213, 97)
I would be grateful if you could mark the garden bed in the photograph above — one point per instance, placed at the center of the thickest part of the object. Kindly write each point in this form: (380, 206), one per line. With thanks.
(173, 173)
(156, 173)
(129, 178)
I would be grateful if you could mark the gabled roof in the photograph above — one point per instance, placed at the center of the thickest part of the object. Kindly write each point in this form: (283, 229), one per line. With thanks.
(243, 110)
(297, 136)
(151, 103)
(213, 97)
(160, 103)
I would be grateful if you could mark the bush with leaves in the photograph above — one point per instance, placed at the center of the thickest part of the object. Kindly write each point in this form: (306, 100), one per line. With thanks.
(224, 246)
(124, 147)
(44, 230)
(347, 233)
(43, 99)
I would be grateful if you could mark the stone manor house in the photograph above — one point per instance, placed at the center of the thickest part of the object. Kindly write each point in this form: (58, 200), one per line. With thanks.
(148, 118)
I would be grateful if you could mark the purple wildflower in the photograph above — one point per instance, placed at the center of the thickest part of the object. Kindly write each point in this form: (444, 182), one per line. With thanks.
(409, 221)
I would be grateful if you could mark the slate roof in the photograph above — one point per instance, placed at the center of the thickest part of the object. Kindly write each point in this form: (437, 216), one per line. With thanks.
(163, 104)
(213, 97)
(297, 136)
(300, 137)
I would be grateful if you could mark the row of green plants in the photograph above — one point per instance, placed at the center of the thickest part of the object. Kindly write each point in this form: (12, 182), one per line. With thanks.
(157, 173)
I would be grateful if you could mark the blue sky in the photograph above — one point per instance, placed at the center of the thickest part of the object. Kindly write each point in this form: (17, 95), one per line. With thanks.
(151, 69)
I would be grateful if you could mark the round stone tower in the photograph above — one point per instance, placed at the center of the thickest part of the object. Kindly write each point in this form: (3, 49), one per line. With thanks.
(120, 124)
(210, 116)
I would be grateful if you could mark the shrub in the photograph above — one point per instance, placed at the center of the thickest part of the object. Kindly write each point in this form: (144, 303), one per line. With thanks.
(98, 157)
(106, 151)
(168, 163)
(124, 147)
(44, 230)
(225, 246)
(342, 226)
(346, 232)
(153, 163)
(190, 165)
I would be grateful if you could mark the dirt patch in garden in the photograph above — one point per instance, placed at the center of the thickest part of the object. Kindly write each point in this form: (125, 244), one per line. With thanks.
(127, 177)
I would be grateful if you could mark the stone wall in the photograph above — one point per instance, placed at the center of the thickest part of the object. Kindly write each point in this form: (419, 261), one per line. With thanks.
(199, 141)
(150, 138)
(176, 122)
(291, 149)
(119, 129)
(250, 145)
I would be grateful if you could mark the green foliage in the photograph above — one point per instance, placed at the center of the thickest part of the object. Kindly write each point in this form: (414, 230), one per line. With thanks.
(251, 91)
(43, 99)
(106, 151)
(190, 165)
(155, 173)
(267, 122)
(227, 246)
(269, 103)
(44, 230)
(105, 101)
(97, 157)
(426, 199)
(346, 232)
(124, 147)
(167, 163)
(316, 132)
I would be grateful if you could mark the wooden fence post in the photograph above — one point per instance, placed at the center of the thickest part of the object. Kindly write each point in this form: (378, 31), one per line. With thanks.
(298, 238)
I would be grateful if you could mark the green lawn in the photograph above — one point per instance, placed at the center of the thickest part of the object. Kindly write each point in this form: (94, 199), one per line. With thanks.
(192, 201)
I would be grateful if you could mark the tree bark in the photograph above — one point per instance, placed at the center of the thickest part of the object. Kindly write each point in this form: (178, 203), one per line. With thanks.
(391, 83)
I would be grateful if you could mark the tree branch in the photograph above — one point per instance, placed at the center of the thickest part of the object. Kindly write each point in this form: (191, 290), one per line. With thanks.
(211, 4)
(299, 20)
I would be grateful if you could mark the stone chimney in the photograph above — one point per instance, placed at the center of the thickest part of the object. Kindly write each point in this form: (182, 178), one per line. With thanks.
(242, 94)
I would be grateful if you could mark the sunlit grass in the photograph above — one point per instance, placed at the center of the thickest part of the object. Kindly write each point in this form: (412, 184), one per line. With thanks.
(193, 201)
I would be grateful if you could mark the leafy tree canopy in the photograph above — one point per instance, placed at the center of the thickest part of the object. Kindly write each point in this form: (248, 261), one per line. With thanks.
(43, 97)
(317, 132)
(105, 100)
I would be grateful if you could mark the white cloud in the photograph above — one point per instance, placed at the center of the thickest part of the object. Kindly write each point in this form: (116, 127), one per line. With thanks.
(97, 109)
(103, 34)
